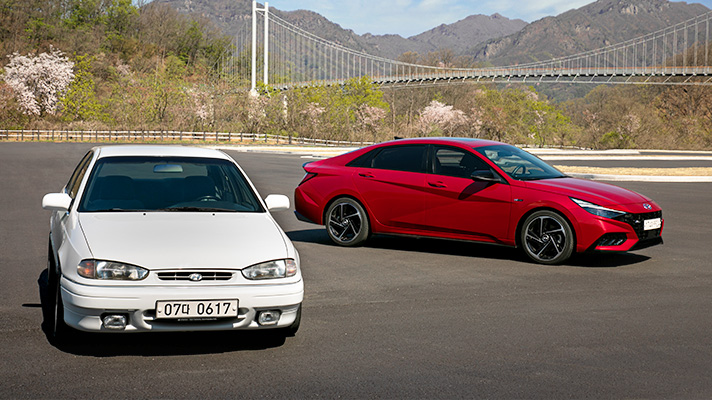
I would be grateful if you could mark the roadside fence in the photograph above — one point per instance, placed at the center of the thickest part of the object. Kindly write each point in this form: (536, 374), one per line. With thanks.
(164, 136)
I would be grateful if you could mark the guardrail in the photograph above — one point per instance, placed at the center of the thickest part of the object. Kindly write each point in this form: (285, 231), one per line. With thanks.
(164, 136)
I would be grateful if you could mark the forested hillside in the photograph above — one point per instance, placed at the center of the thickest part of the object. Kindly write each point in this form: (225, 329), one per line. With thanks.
(112, 64)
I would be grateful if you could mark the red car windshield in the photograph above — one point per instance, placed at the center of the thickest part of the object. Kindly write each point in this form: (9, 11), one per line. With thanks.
(519, 164)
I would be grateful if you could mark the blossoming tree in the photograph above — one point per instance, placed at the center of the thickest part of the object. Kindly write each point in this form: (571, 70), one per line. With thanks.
(39, 81)
(440, 118)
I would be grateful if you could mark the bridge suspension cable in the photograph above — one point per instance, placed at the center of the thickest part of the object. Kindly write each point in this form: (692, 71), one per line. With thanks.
(287, 56)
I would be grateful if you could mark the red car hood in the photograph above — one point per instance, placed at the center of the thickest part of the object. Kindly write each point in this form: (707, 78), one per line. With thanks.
(599, 193)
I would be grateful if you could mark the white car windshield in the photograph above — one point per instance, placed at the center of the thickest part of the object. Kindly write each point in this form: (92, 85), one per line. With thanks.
(119, 184)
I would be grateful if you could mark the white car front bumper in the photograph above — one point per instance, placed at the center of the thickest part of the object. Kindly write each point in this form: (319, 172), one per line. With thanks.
(84, 305)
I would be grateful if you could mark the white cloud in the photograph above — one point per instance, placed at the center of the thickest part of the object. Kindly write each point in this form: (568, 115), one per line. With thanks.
(435, 4)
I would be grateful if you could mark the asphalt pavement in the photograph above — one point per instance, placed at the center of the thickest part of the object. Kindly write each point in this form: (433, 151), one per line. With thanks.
(396, 318)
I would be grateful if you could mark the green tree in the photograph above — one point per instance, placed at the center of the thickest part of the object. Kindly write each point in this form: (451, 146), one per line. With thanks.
(547, 125)
(520, 115)
(189, 43)
(361, 91)
(351, 107)
(345, 112)
(166, 91)
(121, 22)
(80, 102)
(121, 17)
(39, 32)
(84, 14)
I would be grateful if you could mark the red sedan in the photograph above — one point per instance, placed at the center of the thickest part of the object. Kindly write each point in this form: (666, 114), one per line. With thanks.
(470, 189)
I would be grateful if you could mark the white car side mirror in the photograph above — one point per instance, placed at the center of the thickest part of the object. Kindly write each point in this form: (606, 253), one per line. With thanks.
(277, 202)
(56, 202)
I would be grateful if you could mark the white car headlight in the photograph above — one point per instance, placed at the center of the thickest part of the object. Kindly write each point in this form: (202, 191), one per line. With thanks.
(595, 209)
(271, 270)
(99, 269)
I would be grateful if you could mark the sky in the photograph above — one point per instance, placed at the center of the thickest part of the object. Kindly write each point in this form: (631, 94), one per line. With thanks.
(411, 17)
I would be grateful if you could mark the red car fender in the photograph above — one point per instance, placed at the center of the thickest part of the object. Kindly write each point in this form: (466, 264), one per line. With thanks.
(520, 213)
(343, 192)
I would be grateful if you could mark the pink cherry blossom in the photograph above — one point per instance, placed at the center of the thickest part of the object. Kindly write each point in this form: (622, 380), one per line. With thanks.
(39, 81)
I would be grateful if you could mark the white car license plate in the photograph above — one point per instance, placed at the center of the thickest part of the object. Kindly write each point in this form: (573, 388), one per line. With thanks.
(196, 309)
(650, 224)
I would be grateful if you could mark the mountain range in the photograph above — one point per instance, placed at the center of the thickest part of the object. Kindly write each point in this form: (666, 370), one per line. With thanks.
(233, 16)
(494, 39)
(590, 27)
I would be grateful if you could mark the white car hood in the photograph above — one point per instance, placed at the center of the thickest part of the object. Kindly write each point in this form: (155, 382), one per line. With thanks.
(170, 240)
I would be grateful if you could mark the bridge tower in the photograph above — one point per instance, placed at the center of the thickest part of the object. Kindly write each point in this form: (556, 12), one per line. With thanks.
(253, 87)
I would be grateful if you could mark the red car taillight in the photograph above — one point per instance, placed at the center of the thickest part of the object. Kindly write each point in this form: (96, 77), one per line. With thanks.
(307, 176)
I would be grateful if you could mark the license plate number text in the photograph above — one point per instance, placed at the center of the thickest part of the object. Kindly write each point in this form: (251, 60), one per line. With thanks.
(650, 224)
(196, 309)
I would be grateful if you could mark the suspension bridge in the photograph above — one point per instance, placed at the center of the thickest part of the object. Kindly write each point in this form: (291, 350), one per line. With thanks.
(274, 52)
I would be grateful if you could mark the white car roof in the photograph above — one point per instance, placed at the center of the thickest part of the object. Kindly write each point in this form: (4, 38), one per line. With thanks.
(159, 150)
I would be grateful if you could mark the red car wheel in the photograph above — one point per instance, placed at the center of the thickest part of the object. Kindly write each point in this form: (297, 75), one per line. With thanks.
(547, 237)
(346, 222)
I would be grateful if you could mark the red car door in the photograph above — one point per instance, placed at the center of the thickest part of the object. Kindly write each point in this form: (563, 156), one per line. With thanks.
(392, 186)
(460, 207)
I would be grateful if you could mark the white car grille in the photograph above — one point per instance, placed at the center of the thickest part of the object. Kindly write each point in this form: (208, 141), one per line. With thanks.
(196, 276)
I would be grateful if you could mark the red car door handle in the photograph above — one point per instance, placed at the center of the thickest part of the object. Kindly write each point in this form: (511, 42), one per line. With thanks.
(366, 175)
(437, 184)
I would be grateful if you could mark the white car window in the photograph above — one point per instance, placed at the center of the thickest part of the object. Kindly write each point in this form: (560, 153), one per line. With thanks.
(167, 184)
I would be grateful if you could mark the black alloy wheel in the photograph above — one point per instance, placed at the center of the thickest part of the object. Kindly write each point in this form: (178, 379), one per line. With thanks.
(347, 222)
(547, 238)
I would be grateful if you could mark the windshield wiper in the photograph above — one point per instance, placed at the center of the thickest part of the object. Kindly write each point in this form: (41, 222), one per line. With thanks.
(196, 209)
(114, 210)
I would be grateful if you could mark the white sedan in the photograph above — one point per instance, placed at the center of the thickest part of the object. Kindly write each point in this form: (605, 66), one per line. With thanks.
(168, 238)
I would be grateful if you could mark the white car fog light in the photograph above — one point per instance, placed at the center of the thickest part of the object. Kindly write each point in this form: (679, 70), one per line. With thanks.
(267, 318)
(114, 321)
